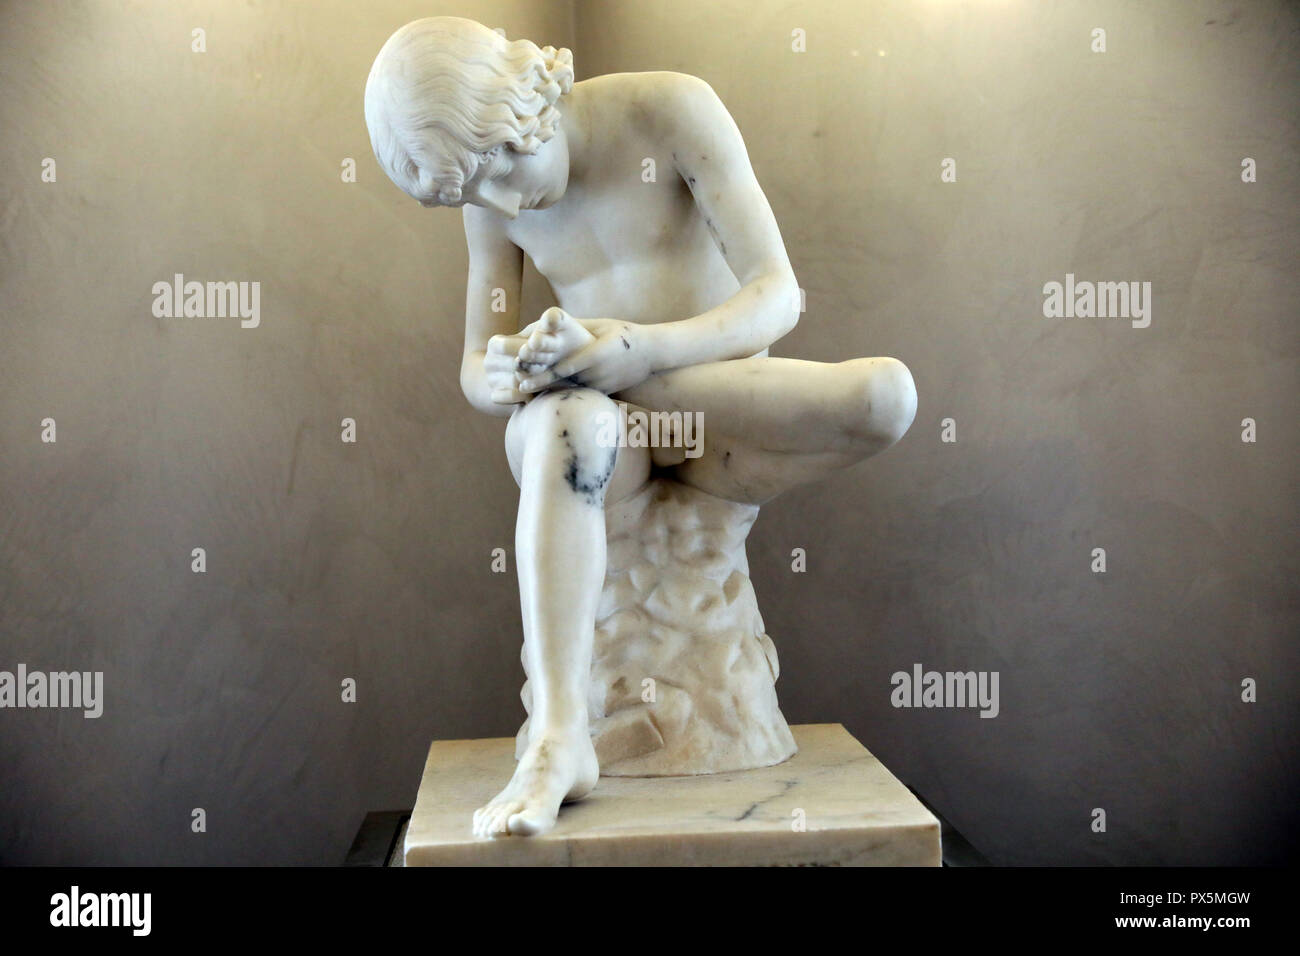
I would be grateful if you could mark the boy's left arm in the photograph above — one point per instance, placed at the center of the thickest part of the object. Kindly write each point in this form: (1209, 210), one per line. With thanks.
(710, 157)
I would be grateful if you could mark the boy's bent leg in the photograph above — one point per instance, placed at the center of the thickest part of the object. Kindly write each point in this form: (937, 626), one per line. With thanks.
(565, 476)
(772, 423)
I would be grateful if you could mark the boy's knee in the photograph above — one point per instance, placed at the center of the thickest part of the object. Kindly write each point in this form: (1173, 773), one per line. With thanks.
(579, 427)
(881, 401)
(580, 410)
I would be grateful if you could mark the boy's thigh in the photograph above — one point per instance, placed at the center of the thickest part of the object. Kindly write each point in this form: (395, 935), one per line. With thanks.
(765, 424)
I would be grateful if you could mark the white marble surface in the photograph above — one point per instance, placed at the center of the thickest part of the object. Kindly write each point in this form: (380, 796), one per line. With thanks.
(856, 813)
(634, 197)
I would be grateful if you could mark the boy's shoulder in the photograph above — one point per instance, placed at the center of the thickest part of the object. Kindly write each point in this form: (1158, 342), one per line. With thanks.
(661, 98)
(658, 90)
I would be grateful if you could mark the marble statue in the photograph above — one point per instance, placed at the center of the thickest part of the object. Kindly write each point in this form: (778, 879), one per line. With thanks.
(634, 197)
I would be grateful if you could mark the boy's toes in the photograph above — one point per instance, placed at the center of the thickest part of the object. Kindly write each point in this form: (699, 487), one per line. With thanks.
(538, 346)
(552, 319)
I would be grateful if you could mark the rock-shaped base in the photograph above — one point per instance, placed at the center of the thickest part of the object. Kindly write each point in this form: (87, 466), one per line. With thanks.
(683, 675)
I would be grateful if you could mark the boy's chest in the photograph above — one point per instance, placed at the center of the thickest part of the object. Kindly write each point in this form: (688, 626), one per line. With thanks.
(591, 231)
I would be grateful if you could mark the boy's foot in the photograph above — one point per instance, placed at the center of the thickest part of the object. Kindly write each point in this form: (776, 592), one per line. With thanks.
(553, 337)
(554, 769)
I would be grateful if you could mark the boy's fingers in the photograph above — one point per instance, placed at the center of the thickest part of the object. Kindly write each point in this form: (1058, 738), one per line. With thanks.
(508, 396)
(573, 364)
(542, 341)
(497, 362)
(506, 344)
(537, 381)
(534, 353)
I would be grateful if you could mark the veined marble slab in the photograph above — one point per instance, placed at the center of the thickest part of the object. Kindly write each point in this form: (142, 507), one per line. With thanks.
(831, 804)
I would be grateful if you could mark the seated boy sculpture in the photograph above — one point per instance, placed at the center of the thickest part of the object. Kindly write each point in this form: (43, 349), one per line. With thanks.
(671, 288)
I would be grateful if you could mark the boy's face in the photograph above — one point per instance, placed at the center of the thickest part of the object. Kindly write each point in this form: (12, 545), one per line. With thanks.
(519, 181)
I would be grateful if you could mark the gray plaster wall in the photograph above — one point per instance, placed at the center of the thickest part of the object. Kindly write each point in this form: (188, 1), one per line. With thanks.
(326, 561)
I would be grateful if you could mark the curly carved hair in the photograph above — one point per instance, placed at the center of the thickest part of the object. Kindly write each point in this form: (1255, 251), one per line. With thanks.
(446, 95)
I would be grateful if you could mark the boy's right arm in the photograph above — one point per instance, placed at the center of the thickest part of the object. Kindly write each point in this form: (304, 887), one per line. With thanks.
(496, 277)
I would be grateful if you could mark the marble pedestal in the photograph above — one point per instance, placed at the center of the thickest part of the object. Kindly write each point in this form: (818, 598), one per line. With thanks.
(831, 804)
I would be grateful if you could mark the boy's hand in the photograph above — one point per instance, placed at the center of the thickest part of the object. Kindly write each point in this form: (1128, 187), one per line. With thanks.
(615, 356)
(499, 365)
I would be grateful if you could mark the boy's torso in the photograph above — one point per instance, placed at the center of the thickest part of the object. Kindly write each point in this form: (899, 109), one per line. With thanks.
(627, 240)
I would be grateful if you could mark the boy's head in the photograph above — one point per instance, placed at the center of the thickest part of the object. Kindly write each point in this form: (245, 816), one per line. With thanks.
(447, 99)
